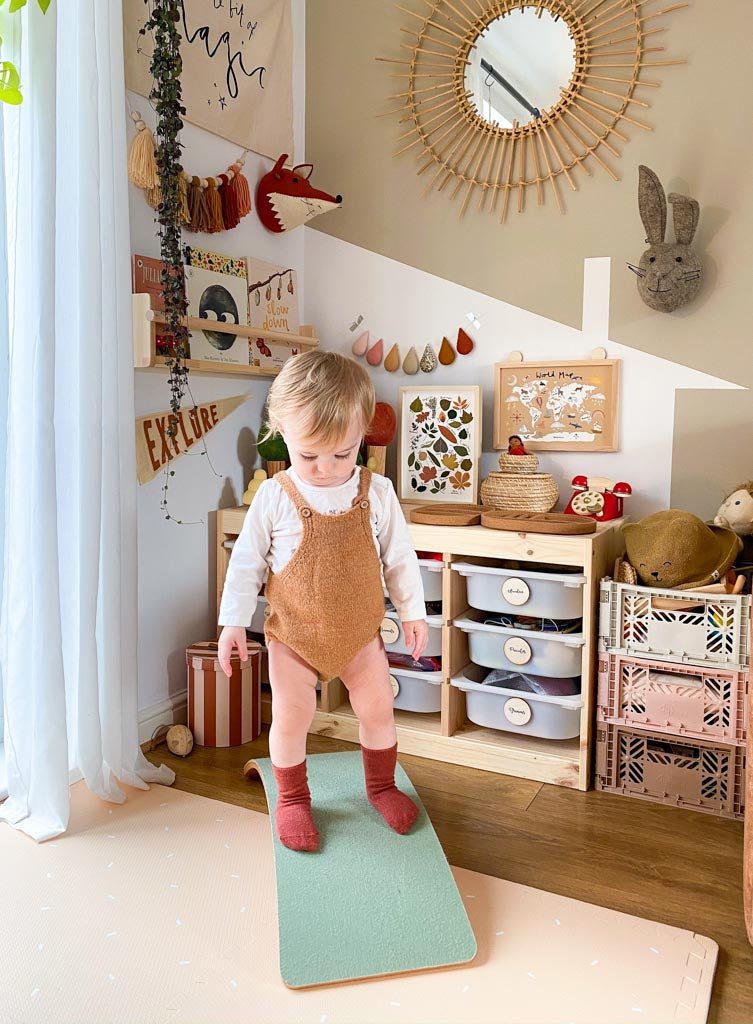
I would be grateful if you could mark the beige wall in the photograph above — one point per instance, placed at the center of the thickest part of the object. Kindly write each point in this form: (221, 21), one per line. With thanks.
(702, 144)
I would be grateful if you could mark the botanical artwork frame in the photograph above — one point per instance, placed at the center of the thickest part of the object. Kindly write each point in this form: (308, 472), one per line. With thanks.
(527, 394)
(431, 427)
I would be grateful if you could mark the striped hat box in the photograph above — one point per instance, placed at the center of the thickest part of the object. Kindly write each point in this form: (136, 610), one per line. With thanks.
(223, 712)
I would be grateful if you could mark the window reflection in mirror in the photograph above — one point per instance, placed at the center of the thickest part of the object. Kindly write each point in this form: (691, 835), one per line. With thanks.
(520, 63)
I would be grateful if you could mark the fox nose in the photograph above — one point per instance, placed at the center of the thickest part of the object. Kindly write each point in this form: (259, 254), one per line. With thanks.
(338, 199)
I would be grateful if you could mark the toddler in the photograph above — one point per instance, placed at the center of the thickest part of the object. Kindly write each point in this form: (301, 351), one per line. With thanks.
(322, 533)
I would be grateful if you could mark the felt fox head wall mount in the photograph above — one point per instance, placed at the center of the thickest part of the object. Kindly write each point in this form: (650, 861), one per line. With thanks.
(285, 197)
(669, 273)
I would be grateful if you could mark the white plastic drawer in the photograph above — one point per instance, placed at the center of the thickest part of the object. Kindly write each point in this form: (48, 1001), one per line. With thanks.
(543, 654)
(394, 638)
(496, 707)
(523, 592)
(431, 577)
(416, 691)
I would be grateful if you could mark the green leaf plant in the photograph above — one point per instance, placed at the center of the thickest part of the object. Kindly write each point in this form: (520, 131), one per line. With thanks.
(10, 80)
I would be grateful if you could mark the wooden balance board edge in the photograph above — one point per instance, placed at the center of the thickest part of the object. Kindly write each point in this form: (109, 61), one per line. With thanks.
(447, 515)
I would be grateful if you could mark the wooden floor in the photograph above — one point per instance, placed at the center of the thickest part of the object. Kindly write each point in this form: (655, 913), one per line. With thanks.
(678, 867)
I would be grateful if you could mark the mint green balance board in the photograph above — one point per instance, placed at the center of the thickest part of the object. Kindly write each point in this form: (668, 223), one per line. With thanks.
(369, 902)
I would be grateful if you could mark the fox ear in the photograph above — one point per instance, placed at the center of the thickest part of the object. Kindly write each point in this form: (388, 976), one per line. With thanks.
(297, 170)
(652, 204)
(280, 164)
(685, 213)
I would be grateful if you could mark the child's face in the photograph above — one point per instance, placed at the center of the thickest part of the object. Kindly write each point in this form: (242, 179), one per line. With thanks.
(324, 465)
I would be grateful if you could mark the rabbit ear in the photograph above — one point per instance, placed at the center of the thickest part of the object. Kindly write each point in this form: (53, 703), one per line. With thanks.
(685, 213)
(652, 204)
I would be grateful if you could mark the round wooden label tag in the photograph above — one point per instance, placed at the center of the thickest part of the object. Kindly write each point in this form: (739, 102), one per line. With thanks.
(515, 591)
(390, 631)
(395, 687)
(517, 650)
(517, 711)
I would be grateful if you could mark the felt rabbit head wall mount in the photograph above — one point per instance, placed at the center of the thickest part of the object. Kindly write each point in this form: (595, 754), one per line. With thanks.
(669, 273)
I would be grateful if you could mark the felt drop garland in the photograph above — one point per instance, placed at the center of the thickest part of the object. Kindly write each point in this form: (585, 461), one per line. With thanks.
(208, 205)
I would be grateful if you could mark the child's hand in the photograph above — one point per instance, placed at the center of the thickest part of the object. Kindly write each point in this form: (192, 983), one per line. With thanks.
(230, 637)
(416, 632)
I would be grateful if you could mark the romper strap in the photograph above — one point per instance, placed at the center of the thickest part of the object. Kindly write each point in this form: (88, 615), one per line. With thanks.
(293, 493)
(364, 483)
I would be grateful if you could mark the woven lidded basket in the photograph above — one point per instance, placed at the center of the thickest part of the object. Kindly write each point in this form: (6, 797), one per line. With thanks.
(518, 463)
(520, 492)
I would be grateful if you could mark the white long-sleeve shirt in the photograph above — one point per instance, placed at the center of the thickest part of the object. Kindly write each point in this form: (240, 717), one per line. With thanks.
(272, 531)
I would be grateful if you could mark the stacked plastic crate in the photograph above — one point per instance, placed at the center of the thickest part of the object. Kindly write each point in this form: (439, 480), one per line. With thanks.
(674, 670)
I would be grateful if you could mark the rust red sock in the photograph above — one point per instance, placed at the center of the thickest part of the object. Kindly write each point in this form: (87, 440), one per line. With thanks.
(293, 818)
(397, 809)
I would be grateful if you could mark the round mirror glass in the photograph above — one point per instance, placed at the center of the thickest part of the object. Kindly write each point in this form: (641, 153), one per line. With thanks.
(519, 64)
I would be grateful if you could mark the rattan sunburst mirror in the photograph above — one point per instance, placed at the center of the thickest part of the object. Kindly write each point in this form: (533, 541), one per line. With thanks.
(506, 97)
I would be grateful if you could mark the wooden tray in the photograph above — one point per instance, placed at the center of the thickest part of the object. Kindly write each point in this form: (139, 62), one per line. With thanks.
(538, 522)
(441, 514)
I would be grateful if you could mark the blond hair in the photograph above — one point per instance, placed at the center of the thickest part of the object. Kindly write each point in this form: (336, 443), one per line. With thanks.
(325, 392)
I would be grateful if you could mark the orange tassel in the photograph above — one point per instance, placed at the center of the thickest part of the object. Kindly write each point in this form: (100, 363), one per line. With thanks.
(204, 218)
(185, 216)
(242, 193)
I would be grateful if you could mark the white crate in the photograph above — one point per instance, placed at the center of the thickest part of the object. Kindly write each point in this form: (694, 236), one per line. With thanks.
(547, 595)
(394, 637)
(431, 577)
(416, 691)
(675, 625)
(534, 714)
(543, 654)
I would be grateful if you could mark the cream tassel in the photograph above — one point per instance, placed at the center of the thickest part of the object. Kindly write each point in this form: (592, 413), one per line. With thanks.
(142, 158)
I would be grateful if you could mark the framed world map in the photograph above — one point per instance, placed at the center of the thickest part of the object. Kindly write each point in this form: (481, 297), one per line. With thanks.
(558, 406)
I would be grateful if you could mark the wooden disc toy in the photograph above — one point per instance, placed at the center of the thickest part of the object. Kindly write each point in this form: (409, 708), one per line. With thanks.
(449, 514)
(538, 522)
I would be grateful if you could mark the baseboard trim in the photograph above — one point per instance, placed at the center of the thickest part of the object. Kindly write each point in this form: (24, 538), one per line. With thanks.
(172, 711)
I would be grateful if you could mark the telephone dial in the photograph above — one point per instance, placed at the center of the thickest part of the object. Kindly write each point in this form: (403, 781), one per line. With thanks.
(597, 497)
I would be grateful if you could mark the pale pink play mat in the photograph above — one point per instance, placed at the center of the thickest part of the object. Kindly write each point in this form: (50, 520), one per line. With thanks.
(163, 909)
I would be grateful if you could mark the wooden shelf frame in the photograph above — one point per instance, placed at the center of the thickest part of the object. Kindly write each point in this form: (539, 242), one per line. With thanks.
(450, 736)
(146, 320)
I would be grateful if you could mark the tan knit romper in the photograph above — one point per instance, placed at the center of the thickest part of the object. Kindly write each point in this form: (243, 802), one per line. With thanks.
(327, 603)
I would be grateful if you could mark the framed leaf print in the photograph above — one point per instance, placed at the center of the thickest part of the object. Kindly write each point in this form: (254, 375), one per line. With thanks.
(440, 444)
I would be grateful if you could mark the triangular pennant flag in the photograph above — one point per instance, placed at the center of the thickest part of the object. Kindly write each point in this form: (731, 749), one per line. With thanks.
(154, 448)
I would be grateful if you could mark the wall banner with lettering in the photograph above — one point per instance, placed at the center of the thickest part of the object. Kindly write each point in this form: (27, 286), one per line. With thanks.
(153, 446)
(237, 68)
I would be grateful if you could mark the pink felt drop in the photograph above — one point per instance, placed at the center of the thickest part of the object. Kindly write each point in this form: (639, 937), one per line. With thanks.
(361, 344)
(375, 354)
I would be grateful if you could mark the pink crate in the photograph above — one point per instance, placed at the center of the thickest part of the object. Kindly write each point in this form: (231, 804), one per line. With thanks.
(684, 700)
(698, 776)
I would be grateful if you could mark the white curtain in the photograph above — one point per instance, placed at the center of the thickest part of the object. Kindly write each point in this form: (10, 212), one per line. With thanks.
(68, 621)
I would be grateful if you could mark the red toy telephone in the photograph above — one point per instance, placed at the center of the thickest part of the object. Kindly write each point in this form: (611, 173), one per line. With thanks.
(598, 497)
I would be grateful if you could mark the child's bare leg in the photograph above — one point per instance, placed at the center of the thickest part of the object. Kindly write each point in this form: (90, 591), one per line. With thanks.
(293, 705)
(368, 683)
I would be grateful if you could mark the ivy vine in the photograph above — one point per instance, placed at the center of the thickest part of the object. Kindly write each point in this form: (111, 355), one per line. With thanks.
(10, 80)
(166, 68)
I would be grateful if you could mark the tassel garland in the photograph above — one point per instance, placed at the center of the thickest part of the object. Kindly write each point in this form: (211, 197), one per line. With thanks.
(208, 205)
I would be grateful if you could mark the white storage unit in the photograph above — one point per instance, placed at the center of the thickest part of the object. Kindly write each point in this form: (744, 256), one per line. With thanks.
(394, 638)
(416, 691)
(543, 654)
(498, 707)
(553, 595)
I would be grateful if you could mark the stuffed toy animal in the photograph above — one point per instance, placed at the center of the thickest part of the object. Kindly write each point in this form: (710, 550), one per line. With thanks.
(678, 551)
(669, 273)
(285, 198)
(736, 511)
